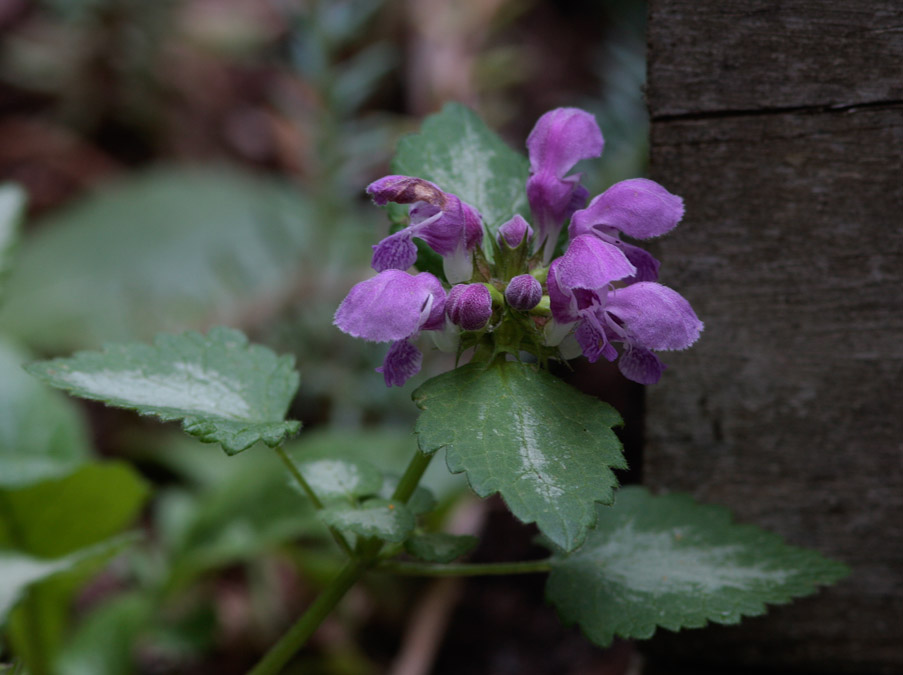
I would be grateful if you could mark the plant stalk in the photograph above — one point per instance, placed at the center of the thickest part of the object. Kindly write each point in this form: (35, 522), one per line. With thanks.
(308, 490)
(411, 477)
(297, 636)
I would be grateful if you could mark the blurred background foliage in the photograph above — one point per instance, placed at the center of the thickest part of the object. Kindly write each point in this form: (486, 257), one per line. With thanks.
(198, 162)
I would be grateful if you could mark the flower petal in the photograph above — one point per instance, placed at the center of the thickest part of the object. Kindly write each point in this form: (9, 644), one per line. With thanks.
(655, 316)
(641, 365)
(591, 264)
(395, 252)
(389, 306)
(638, 207)
(402, 362)
(593, 341)
(405, 190)
(435, 318)
(561, 138)
(646, 264)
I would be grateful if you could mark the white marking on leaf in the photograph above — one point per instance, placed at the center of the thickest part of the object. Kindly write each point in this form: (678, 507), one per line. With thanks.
(534, 461)
(332, 476)
(188, 387)
(655, 562)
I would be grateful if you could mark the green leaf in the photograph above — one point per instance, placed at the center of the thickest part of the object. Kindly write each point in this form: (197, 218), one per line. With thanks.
(223, 389)
(668, 561)
(460, 154)
(340, 478)
(439, 547)
(56, 517)
(19, 570)
(41, 433)
(12, 210)
(163, 250)
(105, 642)
(548, 449)
(389, 521)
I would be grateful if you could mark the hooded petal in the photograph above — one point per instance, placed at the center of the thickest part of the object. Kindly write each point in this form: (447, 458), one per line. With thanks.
(402, 362)
(449, 226)
(654, 316)
(638, 207)
(592, 264)
(585, 270)
(406, 190)
(561, 138)
(390, 306)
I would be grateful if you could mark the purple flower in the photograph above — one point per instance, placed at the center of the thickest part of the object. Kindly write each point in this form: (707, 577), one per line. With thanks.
(451, 227)
(469, 306)
(639, 208)
(523, 292)
(582, 277)
(515, 231)
(560, 139)
(394, 306)
(644, 316)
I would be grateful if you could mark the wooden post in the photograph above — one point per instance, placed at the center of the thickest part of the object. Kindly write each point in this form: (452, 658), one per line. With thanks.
(781, 124)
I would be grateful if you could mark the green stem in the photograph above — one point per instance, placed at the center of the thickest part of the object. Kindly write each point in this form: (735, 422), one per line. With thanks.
(411, 477)
(297, 636)
(467, 569)
(314, 499)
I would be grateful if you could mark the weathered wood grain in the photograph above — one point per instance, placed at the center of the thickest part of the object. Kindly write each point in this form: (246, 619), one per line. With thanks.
(763, 54)
(789, 409)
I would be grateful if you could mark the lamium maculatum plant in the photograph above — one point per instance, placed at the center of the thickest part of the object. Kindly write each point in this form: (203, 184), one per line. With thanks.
(508, 263)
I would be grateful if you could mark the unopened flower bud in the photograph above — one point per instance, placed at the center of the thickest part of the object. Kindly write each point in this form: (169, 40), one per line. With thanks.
(515, 231)
(469, 306)
(524, 292)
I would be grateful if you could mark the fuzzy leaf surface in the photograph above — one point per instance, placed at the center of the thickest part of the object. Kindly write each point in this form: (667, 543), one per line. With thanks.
(548, 449)
(222, 389)
(389, 521)
(459, 153)
(672, 562)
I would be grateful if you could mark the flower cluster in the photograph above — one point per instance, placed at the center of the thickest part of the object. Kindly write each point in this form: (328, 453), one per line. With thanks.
(515, 297)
